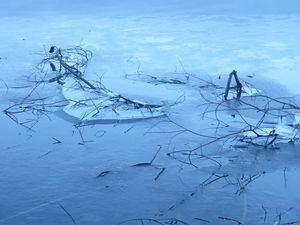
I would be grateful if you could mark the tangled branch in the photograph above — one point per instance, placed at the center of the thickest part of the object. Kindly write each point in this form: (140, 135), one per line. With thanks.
(66, 68)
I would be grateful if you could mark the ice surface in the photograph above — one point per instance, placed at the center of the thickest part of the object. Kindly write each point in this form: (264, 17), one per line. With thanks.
(102, 107)
(38, 174)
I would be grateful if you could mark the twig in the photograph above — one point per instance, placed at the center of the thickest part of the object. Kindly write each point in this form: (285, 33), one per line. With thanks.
(156, 221)
(64, 209)
(229, 219)
(265, 214)
(160, 173)
(202, 220)
(56, 141)
(239, 86)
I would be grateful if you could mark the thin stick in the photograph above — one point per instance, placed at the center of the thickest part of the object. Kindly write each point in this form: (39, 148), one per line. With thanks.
(64, 209)
(239, 86)
(160, 173)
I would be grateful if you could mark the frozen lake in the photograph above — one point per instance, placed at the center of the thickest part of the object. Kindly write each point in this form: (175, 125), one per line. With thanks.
(102, 175)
